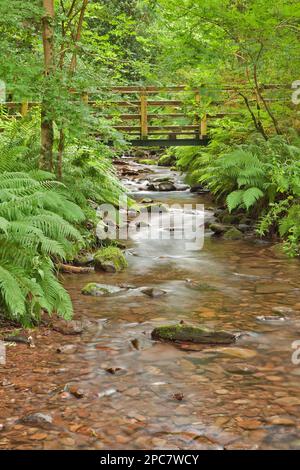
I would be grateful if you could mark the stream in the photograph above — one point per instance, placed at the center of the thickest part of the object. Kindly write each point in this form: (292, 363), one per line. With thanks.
(149, 395)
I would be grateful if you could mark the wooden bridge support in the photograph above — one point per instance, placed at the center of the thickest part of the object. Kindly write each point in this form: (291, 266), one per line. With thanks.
(24, 108)
(144, 116)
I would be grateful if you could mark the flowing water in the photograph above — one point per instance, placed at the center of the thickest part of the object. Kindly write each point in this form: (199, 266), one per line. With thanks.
(160, 396)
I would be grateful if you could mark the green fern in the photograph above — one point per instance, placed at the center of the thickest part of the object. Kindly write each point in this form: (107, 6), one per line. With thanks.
(34, 228)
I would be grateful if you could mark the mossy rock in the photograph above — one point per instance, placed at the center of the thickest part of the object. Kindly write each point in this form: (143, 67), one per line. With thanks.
(220, 213)
(155, 208)
(278, 251)
(84, 260)
(137, 153)
(110, 259)
(147, 161)
(218, 229)
(233, 234)
(99, 290)
(167, 160)
(147, 200)
(231, 219)
(192, 334)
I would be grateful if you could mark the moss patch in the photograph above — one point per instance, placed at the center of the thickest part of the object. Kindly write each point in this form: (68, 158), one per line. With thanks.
(233, 234)
(110, 259)
(167, 160)
(192, 334)
(98, 290)
(147, 161)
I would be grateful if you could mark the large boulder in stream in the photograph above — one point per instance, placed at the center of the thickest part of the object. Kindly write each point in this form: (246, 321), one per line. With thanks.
(110, 259)
(166, 186)
(192, 334)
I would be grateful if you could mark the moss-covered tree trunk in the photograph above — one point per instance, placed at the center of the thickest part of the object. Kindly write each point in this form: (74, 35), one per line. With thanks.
(47, 133)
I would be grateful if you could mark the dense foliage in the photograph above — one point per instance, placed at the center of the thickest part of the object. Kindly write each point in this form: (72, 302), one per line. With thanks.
(252, 162)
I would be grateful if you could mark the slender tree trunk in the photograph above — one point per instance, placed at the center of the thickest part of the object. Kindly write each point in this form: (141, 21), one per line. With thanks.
(78, 36)
(257, 122)
(61, 148)
(47, 133)
(267, 108)
(61, 144)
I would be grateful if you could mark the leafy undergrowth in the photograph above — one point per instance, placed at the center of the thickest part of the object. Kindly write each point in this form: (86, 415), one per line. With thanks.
(261, 177)
(43, 222)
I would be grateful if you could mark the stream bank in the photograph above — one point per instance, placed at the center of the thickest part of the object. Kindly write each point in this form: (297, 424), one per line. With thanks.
(113, 387)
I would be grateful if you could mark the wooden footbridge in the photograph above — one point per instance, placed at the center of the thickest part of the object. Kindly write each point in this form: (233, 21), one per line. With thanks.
(163, 116)
(159, 116)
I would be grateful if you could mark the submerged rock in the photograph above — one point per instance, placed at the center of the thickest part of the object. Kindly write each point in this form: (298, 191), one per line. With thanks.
(76, 391)
(156, 208)
(153, 292)
(192, 334)
(73, 327)
(98, 290)
(167, 186)
(274, 288)
(233, 234)
(271, 319)
(147, 200)
(110, 259)
(283, 310)
(201, 286)
(37, 420)
(218, 229)
(67, 348)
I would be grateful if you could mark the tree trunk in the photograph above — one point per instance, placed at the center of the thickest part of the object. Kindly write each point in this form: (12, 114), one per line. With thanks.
(47, 133)
(61, 147)
(61, 144)
(78, 36)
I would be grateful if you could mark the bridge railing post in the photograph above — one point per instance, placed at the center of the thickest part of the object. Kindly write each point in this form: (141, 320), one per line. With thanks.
(197, 117)
(144, 115)
(203, 132)
(85, 97)
(24, 108)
